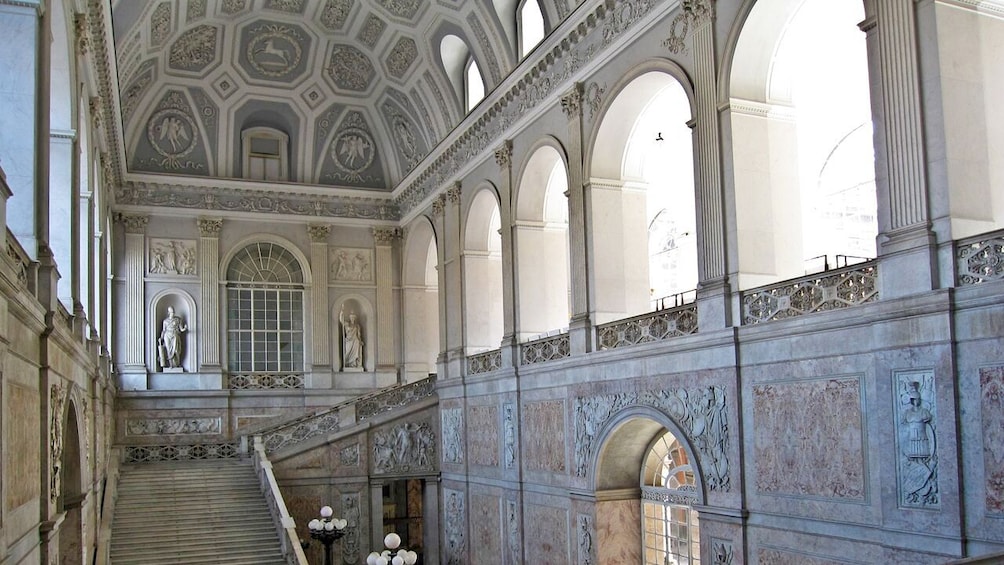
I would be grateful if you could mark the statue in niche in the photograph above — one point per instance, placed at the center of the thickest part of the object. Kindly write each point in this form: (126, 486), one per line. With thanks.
(352, 341)
(169, 343)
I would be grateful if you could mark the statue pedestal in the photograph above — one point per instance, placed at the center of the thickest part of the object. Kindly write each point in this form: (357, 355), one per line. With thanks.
(173, 370)
(353, 370)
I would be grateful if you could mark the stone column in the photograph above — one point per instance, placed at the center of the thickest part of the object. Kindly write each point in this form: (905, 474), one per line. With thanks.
(208, 330)
(383, 273)
(439, 221)
(579, 330)
(453, 292)
(510, 345)
(320, 317)
(906, 243)
(713, 292)
(24, 90)
(133, 367)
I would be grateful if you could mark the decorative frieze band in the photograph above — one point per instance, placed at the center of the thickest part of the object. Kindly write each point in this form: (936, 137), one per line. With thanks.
(172, 426)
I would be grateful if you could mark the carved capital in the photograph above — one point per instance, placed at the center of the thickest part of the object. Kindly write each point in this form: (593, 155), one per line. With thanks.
(699, 11)
(97, 115)
(81, 27)
(503, 155)
(318, 232)
(133, 223)
(210, 227)
(386, 236)
(453, 193)
(107, 169)
(439, 205)
(693, 14)
(571, 103)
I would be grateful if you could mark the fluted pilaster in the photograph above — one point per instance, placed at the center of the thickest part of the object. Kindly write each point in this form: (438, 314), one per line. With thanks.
(578, 326)
(135, 239)
(503, 157)
(385, 239)
(319, 311)
(209, 314)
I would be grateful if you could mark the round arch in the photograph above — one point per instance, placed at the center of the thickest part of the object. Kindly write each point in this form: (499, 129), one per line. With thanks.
(184, 307)
(267, 238)
(482, 264)
(73, 480)
(363, 308)
(421, 327)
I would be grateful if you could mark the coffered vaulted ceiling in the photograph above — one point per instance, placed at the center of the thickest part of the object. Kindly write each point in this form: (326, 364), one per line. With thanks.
(359, 86)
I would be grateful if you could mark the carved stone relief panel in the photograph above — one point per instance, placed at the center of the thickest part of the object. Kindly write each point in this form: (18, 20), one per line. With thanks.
(405, 447)
(916, 438)
(401, 57)
(544, 437)
(453, 435)
(371, 31)
(351, 154)
(547, 540)
(509, 431)
(21, 436)
(161, 24)
(584, 537)
(455, 511)
(349, 456)
(808, 438)
(700, 412)
(273, 51)
(513, 532)
(195, 50)
(349, 69)
(350, 513)
(721, 552)
(486, 547)
(171, 257)
(57, 399)
(335, 13)
(173, 140)
(992, 417)
(483, 439)
(351, 264)
(172, 426)
(772, 556)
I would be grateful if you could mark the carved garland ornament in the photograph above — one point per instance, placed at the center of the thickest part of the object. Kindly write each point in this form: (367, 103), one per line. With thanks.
(701, 413)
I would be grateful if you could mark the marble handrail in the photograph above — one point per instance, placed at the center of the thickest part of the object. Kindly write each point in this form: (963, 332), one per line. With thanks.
(284, 523)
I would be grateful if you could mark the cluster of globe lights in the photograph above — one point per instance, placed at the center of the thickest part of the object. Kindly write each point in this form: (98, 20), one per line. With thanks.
(327, 523)
(403, 557)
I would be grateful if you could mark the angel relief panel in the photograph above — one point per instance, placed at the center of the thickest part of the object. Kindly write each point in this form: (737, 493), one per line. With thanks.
(171, 257)
(351, 264)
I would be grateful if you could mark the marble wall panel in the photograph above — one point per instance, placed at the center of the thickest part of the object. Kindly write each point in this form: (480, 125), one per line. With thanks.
(455, 533)
(486, 543)
(617, 532)
(483, 439)
(771, 556)
(21, 418)
(544, 435)
(304, 504)
(808, 438)
(546, 540)
(992, 414)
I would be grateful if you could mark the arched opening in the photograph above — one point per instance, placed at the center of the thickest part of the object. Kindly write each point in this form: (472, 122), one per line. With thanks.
(641, 189)
(71, 496)
(420, 293)
(455, 56)
(474, 84)
(802, 150)
(646, 486)
(483, 301)
(530, 23)
(540, 243)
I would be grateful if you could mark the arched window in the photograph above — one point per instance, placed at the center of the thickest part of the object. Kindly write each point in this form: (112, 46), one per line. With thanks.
(265, 310)
(530, 23)
(670, 531)
(474, 84)
(265, 150)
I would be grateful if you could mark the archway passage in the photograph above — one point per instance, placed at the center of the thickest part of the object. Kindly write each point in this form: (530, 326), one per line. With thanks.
(71, 497)
(646, 486)
(420, 297)
(483, 302)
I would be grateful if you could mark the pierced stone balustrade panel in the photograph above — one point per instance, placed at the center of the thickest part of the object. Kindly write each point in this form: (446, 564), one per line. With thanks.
(832, 290)
(191, 452)
(301, 430)
(265, 381)
(980, 260)
(546, 349)
(654, 326)
(388, 400)
(485, 362)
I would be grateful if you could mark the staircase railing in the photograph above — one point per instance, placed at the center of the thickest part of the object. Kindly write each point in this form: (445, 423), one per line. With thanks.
(284, 524)
(333, 419)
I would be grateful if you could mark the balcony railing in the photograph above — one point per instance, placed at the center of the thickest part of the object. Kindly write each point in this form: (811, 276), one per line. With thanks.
(485, 362)
(264, 381)
(189, 452)
(832, 290)
(545, 349)
(980, 259)
(649, 327)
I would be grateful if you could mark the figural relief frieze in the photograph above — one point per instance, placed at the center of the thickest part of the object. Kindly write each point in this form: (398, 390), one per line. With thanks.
(701, 413)
(453, 442)
(407, 447)
(456, 526)
(351, 264)
(172, 426)
(992, 418)
(171, 257)
(916, 439)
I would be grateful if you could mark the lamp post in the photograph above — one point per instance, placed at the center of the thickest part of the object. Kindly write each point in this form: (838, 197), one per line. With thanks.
(327, 530)
(392, 555)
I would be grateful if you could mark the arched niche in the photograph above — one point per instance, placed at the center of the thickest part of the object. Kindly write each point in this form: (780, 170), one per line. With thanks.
(184, 308)
(421, 327)
(365, 320)
(482, 252)
(73, 481)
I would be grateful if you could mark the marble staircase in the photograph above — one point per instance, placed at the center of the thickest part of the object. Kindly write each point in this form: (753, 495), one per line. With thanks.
(192, 512)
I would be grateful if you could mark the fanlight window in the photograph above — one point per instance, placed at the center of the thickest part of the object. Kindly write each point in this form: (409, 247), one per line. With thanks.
(670, 532)
(265, 310)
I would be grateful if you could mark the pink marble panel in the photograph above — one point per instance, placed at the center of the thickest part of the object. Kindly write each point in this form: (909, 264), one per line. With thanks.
(546, 534)
(486, 545)
(770, 556)
(21, 473)
(618, 535)
(808, 438)
(483, 435)
(992, 412)
(544, 435)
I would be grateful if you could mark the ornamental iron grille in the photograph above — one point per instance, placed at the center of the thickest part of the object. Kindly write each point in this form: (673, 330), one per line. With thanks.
(653, 326)
(264, 314)
(545, 349)
(980, 260)
(191, 452)
(265, 381)
(670, 528)
(485, 362)
(832, 290)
